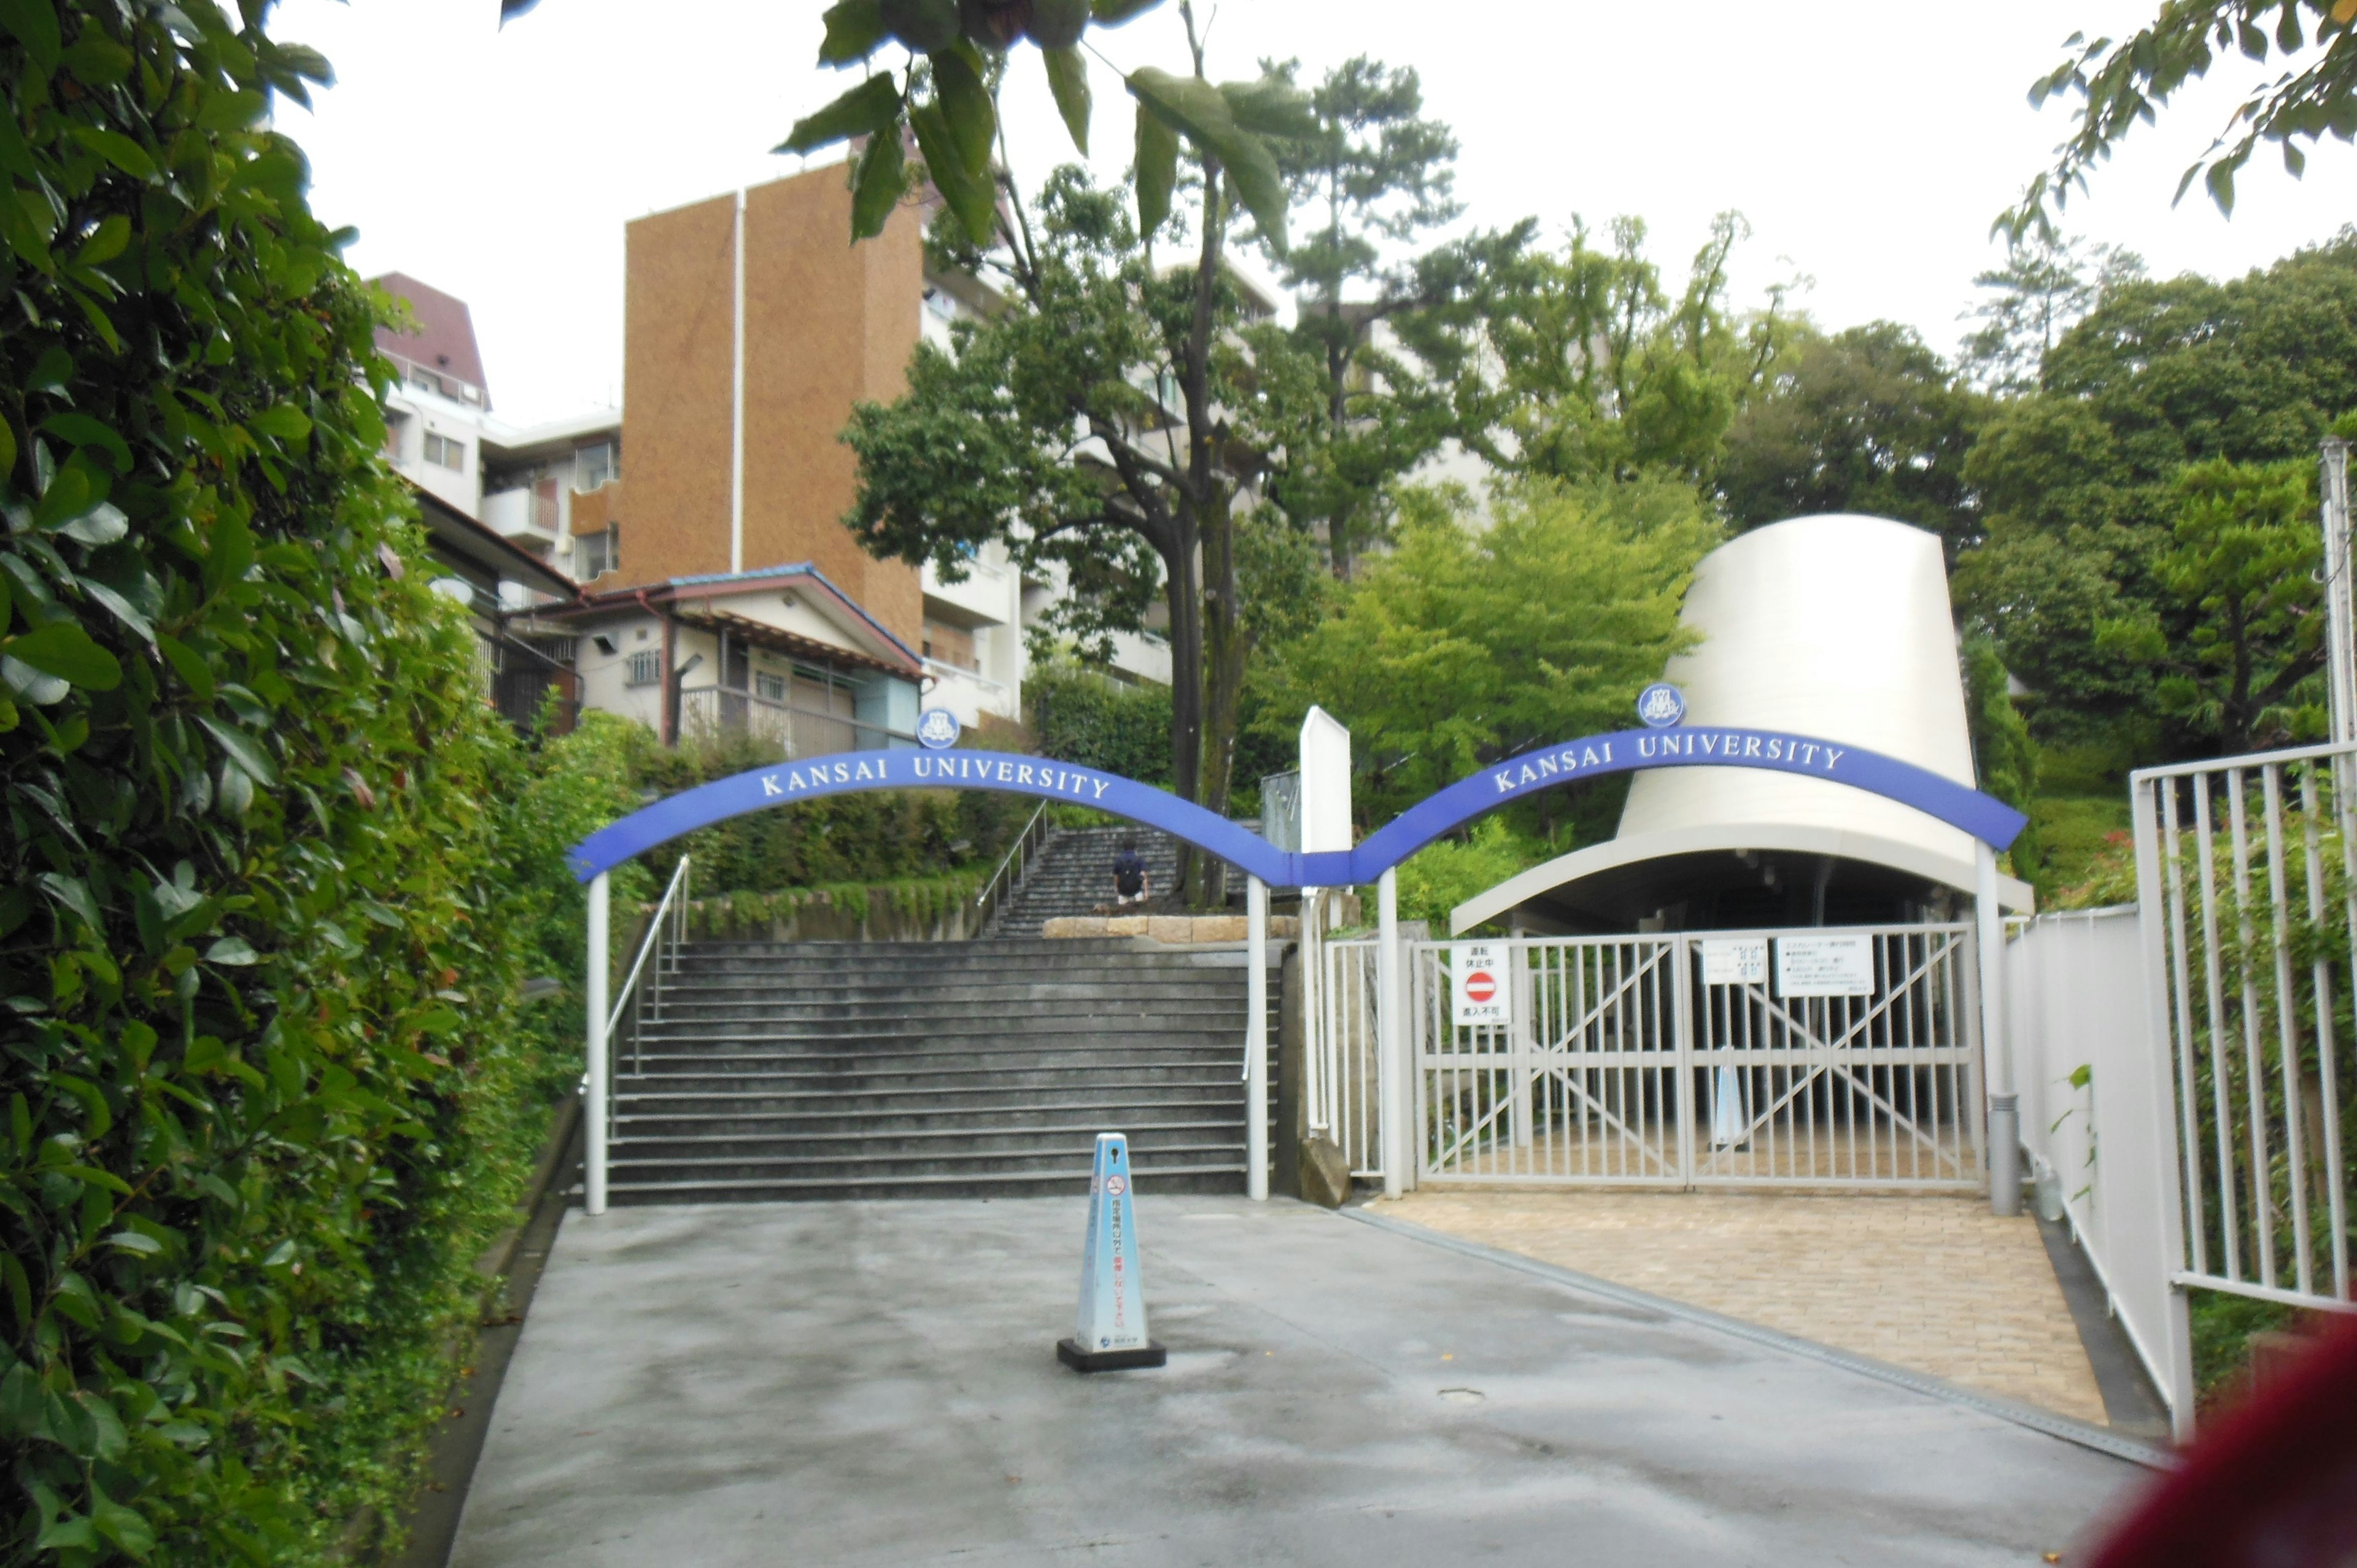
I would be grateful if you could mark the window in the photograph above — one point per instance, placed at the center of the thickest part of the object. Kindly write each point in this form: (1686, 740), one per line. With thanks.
(645, 669)
(597, 466)
(768, 686)
(446, 452)
(594, 554)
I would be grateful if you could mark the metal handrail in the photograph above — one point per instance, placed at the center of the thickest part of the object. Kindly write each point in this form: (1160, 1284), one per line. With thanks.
(985, 901)
(654, 933)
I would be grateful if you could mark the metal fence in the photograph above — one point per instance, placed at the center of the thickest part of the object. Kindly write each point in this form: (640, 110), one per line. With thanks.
(1717, 1060)
(2098, 1121)
(2247, 878)
(1343, 1078)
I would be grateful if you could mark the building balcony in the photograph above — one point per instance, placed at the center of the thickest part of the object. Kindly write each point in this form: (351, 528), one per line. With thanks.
(525, 515)
(988, 597)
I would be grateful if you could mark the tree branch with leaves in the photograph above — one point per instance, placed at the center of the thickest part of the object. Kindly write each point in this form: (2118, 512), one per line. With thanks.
(2120, 82)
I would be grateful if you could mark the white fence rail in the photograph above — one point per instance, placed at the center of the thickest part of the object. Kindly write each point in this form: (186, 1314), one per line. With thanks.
(1343, 1081)
(2247, 880)
(2096, 1118)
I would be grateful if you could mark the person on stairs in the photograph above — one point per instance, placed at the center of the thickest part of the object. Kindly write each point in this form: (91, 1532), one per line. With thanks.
(1129, 884)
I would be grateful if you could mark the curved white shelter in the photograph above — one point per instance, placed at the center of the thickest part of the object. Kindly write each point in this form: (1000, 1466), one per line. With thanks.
(1833, 625)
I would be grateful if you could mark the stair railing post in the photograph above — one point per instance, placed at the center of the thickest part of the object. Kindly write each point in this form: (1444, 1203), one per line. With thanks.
(1390, 1030)
(1256, 1039)
(594, 985)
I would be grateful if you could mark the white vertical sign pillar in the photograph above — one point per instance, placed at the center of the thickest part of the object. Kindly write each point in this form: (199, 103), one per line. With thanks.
(1391, 1033)
(1325, 830)
(594, 987)
(1997, 1044)
(1256, 1039)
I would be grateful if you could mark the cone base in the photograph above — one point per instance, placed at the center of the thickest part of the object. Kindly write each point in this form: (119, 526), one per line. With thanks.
(1070, 1352)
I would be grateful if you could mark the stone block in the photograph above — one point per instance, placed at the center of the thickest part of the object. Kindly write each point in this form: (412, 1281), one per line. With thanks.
(1325, 1172)
(1176, 929)
(1126, 925)
(1218, 928)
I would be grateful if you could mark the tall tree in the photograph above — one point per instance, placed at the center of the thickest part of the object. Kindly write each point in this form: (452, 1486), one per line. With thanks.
(1867, 420)
(2120, 82)
(1102, 419)
(2048, 283)
(1582, 364)
(2078, 482)
(1376, 173)
(2238, 624)
(1464, 646)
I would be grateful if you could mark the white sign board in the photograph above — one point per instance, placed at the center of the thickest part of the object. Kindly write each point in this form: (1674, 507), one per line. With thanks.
(1825, 966)
(1735, 960)
(1478, 980)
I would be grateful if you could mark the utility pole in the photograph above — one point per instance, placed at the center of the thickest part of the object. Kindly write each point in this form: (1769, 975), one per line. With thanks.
(2339, 603)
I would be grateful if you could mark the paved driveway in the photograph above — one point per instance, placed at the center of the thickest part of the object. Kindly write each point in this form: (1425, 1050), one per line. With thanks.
(876, 1383)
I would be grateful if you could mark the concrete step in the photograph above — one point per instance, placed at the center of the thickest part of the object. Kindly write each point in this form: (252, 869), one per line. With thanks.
(1067, 1183)
(980, 1123)
(821, 1056)
(769, 1070)
(860, 1080)
(708, 1145)
(671, 1164)
(759, 1096)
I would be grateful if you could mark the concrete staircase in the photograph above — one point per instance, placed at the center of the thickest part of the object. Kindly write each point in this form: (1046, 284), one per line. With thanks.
(931, 1070)
(1073, 876)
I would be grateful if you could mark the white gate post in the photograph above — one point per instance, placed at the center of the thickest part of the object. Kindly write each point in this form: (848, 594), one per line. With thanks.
(594, 985)
(1256, 1040)
(1392, 1035)
(2172, 1161)
(1520, 1045)
(1997, 1046)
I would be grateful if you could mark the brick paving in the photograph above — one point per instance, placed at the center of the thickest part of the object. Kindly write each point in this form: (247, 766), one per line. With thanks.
(1935, 1284)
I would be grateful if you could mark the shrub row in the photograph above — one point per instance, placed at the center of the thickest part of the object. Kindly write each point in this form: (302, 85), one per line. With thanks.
(274, 874)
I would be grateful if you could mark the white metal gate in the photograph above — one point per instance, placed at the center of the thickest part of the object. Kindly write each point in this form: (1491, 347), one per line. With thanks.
(2246, 876)
(1696, 1059)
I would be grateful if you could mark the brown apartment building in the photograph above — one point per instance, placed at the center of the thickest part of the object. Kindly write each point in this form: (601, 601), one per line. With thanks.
(825, 324)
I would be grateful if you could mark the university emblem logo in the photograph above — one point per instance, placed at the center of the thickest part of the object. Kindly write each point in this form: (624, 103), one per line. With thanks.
(938, 729)
(1661, 705)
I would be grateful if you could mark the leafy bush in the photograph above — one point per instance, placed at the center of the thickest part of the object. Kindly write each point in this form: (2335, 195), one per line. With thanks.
(267, 1091)
(1439, 876)
(1081, 716)
(885, 836)
(1464, 645)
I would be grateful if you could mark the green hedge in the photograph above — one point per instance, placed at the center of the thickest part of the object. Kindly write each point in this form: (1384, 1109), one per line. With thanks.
(274, 873)
(887, 837)
(1080, 716)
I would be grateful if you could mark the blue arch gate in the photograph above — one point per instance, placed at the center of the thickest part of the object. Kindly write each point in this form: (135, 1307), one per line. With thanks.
(1397, 1103)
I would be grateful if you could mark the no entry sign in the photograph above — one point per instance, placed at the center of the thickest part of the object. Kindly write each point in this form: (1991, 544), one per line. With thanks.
(1480, 973)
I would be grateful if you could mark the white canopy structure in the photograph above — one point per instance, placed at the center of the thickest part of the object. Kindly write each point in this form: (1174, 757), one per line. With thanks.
(1835, 627)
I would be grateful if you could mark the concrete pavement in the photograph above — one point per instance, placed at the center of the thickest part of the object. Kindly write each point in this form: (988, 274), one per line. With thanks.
(1926, 1281)
(876, 1383)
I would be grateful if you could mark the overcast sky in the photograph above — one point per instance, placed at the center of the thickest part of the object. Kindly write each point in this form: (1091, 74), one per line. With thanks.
(1868, 143)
